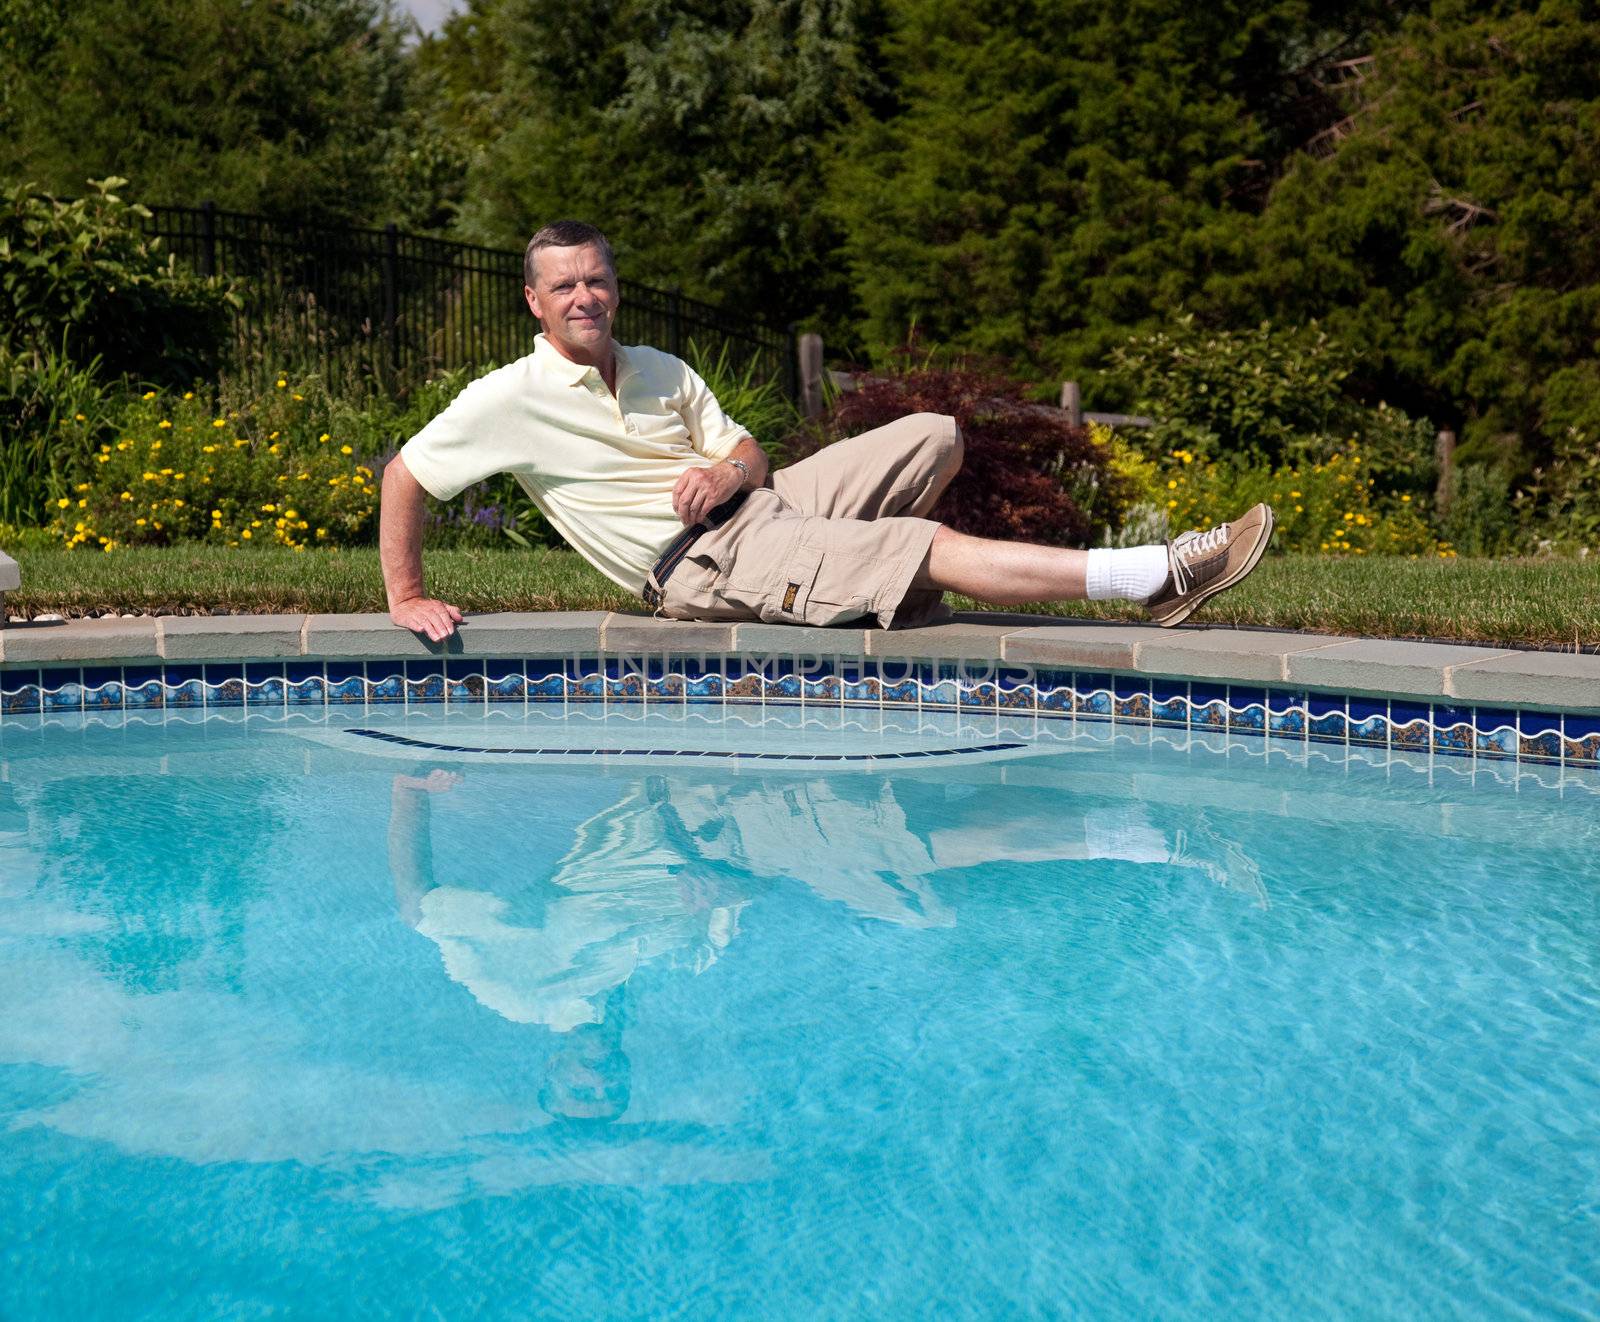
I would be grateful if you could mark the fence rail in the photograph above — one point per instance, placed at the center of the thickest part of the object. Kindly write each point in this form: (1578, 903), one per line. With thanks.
(383, 308)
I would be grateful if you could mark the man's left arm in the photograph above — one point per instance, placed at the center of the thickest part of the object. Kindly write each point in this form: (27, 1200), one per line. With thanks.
(701, 490)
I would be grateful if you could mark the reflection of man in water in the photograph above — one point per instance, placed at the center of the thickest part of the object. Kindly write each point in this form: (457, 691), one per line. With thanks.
(662, 876)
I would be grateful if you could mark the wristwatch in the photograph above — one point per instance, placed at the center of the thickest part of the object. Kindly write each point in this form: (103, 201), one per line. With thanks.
(744, 469)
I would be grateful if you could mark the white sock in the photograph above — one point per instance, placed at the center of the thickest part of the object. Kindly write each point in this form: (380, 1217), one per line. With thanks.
(1138, 572)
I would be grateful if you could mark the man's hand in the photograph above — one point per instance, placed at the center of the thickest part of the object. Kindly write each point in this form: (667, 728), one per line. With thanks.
(701, 490)
(437, 619)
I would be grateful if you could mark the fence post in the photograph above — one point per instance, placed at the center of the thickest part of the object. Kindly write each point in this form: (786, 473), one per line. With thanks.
(1072, 402)
(809, 359)
(391, 293)
(675, 311)
(1444, 452)
(208, 237)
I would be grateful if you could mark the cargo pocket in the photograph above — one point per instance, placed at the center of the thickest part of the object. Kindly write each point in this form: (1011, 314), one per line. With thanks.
(789, 595)
(691, 592)
(818, 589)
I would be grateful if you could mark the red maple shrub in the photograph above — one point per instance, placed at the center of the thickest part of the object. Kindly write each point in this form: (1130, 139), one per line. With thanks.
(1028, 474)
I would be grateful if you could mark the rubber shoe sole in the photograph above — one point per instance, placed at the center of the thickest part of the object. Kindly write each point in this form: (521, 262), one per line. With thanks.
(1169, 611)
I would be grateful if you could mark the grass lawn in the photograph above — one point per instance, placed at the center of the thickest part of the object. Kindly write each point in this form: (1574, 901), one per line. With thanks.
(1540, 602)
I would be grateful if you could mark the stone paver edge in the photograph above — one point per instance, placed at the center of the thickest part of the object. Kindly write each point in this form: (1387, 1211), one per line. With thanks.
(1316, 662)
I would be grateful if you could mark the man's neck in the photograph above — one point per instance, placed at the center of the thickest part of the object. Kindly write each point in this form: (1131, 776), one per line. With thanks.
(604, 359)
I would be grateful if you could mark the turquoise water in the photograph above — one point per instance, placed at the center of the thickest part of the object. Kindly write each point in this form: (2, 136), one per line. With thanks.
(299, 1023)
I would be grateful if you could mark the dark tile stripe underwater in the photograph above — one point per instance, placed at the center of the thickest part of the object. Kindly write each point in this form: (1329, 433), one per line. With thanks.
(972, 686)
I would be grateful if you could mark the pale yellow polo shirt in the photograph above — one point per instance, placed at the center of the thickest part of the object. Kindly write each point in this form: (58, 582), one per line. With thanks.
(600, 467)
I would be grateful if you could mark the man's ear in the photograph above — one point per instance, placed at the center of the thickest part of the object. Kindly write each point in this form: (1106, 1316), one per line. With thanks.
(532, 299)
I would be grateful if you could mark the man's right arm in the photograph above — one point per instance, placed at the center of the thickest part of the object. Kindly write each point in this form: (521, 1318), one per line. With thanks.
(401, 513)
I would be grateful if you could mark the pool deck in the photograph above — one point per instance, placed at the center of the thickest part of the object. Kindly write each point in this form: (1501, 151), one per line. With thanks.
(1488, 676)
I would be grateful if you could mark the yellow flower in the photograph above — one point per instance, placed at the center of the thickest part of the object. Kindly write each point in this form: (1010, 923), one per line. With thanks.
(166, 472)
(245, 533)
(177, 504)
(77, 527)
(324, 437)
(1348, 516)
(108, 546)
(63, 503)
(164, 423)
(272, 449)
(268, 509)
(282, 383)
(1172, 504)
(322, 532)
(138, 523)
(345, 449)
(126, 495)
(291, 514)
(1406, 499)
(79, 417)
(1299, 509)
(149, 394)
(188, 394)
(272, 435)
(255, 523)
(103, 458)
(219, 422)
(1172, 484)
(299, 397)
(208, 449)
(82, 503)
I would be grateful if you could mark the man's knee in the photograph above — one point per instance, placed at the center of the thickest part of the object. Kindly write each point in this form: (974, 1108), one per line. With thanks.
(943, 441)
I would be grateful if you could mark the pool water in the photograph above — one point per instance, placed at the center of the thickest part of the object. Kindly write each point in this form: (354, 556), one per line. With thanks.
(1125, 1024)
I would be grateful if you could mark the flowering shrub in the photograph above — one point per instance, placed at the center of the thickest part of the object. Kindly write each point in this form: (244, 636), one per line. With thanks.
(1028, 473)
(1335, 506)
(177, 472)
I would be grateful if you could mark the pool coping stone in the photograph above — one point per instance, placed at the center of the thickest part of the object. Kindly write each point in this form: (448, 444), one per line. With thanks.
(1319, 662)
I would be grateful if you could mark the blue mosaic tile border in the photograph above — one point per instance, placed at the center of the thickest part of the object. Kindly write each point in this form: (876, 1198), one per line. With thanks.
(1566, 738)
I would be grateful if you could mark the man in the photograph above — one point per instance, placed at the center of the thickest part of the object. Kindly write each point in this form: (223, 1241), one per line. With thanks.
(632, 460)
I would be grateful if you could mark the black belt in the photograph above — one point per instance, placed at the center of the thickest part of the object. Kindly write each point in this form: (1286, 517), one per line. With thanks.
(679, 547)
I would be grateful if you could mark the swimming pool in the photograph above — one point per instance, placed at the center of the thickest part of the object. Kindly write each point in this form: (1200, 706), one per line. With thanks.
(403, 1011)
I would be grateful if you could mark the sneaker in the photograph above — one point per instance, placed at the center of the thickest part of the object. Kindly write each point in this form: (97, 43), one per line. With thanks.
(1203, 564)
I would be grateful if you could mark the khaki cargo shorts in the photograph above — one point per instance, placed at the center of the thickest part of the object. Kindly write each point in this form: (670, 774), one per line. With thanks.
(835, 538)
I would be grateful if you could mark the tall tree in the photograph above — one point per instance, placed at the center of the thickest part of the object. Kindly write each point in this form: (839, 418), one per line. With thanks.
(1054, 175)
(1450, 224)
(689, 129)
(290, 106)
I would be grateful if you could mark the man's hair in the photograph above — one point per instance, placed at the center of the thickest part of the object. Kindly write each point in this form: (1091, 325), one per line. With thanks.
(564, 234)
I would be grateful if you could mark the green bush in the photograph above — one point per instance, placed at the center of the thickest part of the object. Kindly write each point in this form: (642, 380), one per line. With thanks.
(1267, 396)
(266, 474)
(52, 412)
(84, 279)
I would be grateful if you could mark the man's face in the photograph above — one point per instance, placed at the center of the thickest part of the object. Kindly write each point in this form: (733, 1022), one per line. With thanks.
(575, 300)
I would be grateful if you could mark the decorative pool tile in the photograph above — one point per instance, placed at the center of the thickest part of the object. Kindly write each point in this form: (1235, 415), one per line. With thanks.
(983, 696)
(1208, 707)
(901, 692)
(1398, 732)
(548, 688)
(1369, 721)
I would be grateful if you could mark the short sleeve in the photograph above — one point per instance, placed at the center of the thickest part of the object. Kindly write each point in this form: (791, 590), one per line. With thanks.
(458, 449)
(713, 433)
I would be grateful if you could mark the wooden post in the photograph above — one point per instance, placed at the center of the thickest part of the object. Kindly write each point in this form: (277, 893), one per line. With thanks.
(1072, 402)
(810, 363)
(1444, 452)
(391, 293)
(208, 238)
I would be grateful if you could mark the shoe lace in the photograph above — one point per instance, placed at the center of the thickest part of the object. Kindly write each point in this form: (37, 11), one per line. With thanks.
(1194, 545)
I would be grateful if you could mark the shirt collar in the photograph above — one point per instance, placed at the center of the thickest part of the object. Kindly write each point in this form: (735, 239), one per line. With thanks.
(568, 373)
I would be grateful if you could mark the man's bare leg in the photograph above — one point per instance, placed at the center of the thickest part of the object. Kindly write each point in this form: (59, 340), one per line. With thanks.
(1006, 573)
(1171, 579)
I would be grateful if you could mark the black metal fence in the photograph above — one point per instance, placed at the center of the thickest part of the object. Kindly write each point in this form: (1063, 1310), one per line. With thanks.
(377, 308)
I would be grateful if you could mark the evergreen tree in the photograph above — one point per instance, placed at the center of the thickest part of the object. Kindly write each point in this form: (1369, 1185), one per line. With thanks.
(1450, 224)
(287, 106)
(689, 130)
